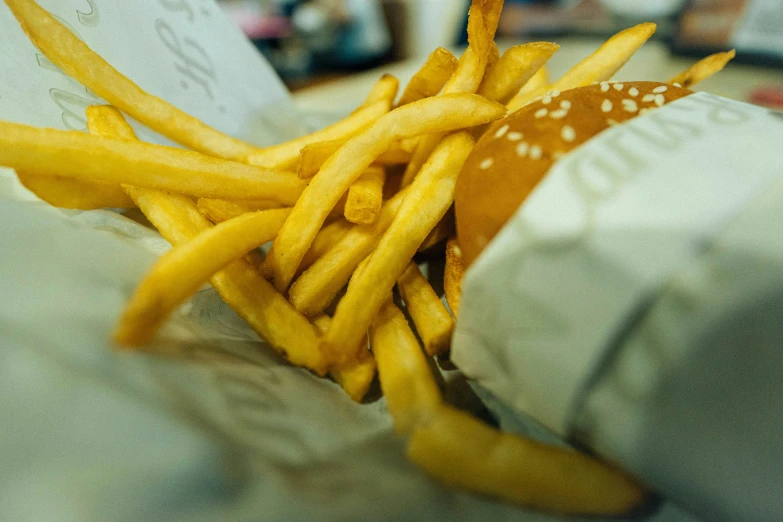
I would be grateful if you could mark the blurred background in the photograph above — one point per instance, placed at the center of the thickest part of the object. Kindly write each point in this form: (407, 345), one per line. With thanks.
(315, 42)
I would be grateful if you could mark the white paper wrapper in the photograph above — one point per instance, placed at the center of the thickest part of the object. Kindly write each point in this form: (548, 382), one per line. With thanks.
(633, 303)
(211, 424)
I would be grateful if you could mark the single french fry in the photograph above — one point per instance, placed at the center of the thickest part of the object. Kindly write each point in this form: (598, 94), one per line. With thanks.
(463, 452)
(356, 376)
(71, 193)
(317, 287)
(430, 79)
(385, 89)
(426, 201)
(80, 62)
(703, 69)
(219, 210)
(239, 284)
(313, 156)
(453, 273)
(493, 57)
(412, 395)
(286, 155)
(327, 238)
(80, 156)
(514, 69)
(365, 197)
(184, 269)
(599, 66)
(433, 322)
(443, 230)
(430, 115)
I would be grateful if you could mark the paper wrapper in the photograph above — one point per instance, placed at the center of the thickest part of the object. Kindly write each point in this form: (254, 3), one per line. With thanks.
(634, 303)
(210, 424)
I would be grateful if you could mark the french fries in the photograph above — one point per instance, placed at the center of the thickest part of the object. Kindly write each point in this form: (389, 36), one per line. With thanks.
(431, 115)
(412, 395)
(599, 66)
(463, 452)
(433, 322)
(426, 201)
(313, 156)
(430, 79)
(71, 193)
(185, 268)
(219, 210)
(514, 69)
(355, 378)
(703, 69)
(365, 197)
(442, 230)
(116, 160)
(452, 275)
(384, 89)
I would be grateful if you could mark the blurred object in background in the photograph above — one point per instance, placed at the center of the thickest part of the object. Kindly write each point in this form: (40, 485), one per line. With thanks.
(423, 25)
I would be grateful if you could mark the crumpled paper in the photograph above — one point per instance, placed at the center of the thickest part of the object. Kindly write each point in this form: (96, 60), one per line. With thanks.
(208, 424)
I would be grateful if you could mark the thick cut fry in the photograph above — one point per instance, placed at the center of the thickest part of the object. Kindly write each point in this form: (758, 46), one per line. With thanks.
(514, 69)
(463, 452)
(412, 394)
(116, 160)
(365, 197)
(317, 287)
(703, 69)
(425, 203)
(433, 322)
(185, 268)
(71, 193)
(327, 238)
(356, 376)
(219, 210)
(430, 79)
(313, 156)
(384, 89)
(431, 115)
(78, 61)
(444, 229)
(286, 155)
(453, 274)
(239, 284)
(599, 66)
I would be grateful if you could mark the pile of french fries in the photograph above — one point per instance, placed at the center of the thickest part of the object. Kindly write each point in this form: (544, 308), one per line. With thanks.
(344, 230)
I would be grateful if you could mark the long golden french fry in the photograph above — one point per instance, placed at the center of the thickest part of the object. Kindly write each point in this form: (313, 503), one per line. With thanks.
(116, 160)
(430, 79)
(426, 201)
(599, 66)
(431, 115)
(412, 395)
(453, 273)
(78, 194)
(327, 238)
(286, 155)
(179, 273)
(239, 284)
(317, 287)
(514, 69)
(219, 210)
(356, 376)
(365, 197)
(539, 82)
(385, 89)
(80, 62)
(443, 230)
(703, 69)
(463, 452)
(313, 156)
(433, 322)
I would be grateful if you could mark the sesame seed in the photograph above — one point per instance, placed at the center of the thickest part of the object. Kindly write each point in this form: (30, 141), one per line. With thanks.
(618, 86)
(546, 100)
(648, 98)
(612, 122)
(522, 149)
(514, 136)
(568, 133)
(659, 100)
(536, 152)
(487, 163)
(660, 89)
(501, 131)
(645, 110)
(677, 85)
(604, 86)
(540, 113)
(630, 105)
(557, 155)
(559, 114)
(607, 105)
(555, 94)
(565, 104)
(633, 91)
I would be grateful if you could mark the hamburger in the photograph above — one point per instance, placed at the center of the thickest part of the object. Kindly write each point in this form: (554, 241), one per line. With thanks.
(516, 152)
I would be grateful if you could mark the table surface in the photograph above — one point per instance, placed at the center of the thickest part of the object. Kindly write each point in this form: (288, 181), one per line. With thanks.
(652, 62)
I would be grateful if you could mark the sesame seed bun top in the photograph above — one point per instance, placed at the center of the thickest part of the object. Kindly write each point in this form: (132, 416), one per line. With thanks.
(516, 152)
